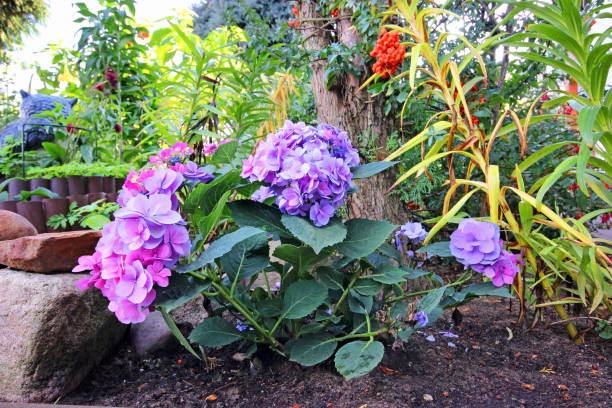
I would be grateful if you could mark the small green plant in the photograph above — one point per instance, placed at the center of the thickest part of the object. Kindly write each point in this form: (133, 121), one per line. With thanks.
(25, 195)
(79, 169)
(93, 216)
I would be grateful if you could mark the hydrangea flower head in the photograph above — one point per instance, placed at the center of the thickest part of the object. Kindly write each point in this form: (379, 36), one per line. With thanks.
(307, 169)
(421, 319)
(412, 231)
(476, 242)
(503, 270)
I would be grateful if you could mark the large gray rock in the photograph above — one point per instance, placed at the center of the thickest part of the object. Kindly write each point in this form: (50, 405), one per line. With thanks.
(51, 334)
(151, 335)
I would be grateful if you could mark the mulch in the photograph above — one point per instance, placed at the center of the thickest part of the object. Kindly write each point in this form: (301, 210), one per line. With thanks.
(493, 364)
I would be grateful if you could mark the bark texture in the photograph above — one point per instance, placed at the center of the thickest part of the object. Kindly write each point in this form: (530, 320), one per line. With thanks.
(353, 111)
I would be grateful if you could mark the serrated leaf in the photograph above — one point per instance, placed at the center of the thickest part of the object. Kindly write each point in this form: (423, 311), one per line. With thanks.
(367, 287)
(219, 248)
(441, 249)
(313, 349)
(364, 237)
(215, 332)
(225, 153)
(389, 274)
(246, 258)
(431, 300)
(253, 214)
(315, 237)
(331, 277)
(302, 298)
(358, 358)
(299, 257)
(370, 169)
(205, 197)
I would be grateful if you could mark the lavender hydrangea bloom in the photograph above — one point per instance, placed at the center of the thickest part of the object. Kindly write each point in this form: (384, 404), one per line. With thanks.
(163, 181)
(194, 173)
(306, 168)
(413, 231)
(421, 319)
(503, 270)
(475, 242)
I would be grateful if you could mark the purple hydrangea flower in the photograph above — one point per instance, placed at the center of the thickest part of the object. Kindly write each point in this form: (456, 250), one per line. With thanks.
(475, 242)
(421, 319)
(194, 173)
(503, 270)
(306, 168)
(412, 231)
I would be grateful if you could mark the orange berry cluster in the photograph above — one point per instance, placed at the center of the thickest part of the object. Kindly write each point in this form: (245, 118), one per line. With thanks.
(295, 23)
(389, 52)
(335, 12)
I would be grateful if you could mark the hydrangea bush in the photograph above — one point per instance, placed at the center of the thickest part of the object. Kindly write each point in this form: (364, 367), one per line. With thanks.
(332, 285)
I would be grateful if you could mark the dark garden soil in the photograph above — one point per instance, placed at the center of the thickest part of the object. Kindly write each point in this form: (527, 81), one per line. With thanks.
(486, 368)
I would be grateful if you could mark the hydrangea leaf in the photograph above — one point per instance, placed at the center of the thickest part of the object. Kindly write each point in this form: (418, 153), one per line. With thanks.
(215, 332)
(180, 290)
(358, 358)
(389, 274)
(246, 258)
(367, 287)
(364, 237)
(299, 257)
(441, 249)
(313, 349)
(331, 277)
(315, 237)
(205, 197)
(370, 169)
(225, 153)
(302, 298)
(431, 300)
(254, 214)
(219, 248)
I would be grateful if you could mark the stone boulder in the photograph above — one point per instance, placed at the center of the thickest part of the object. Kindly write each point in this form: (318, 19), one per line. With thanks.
(51, 252)
(14, 226)
(151, 335)
(51, 334)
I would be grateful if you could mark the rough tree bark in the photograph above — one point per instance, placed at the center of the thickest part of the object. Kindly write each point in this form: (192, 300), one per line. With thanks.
(355, 112)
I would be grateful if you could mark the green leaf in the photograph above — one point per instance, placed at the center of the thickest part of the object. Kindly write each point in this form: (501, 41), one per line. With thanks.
(254, 214)
(331, 277)
(40, 191)
(370, 169)
(367, 287)
(56, 151)
(225, 153)
(180, 290)
(358, 358)
(215, 332)
(364, 236)
(246, 258)
(389, 274)
(207, 223)
(299, 257)
(315, 237)
(313, 349)
(177, 333)
(359, 303)
(205, 197)
(219, 248)
(95, 221)
(431, 300)
(586, 122)
(302, 298)
(270, 307)
(441, 248)
(390, 251)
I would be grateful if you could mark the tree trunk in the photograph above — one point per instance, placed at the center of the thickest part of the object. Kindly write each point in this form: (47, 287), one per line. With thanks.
(354, 111)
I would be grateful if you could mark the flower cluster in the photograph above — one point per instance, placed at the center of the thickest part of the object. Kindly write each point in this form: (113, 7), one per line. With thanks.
(307, 169)
(146, 239)
(112, 78)
(477, 245)
(390, 53)
(412, 231)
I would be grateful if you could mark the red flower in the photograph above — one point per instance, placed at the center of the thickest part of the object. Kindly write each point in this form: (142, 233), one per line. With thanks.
(607, 185)
(335, 13)
(578, 216)
(573, 187)
(118, 128)
(295, 10)
(99, 86)
(70, 128)
(606, 218)
(293, 24)
(112, 78)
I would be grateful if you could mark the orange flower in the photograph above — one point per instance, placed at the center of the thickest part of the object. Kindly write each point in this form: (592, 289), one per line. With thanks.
(130, 44)
(143, 34)
(295, 10)
(293, 24)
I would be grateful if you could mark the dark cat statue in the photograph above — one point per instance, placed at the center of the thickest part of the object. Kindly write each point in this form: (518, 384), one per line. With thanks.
(31, 105)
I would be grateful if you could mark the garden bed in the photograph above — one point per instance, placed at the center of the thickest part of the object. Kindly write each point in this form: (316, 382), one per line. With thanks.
(535, 368)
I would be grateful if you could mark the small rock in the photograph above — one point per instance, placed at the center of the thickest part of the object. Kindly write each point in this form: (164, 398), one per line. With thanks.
(51, 252)
(151, 335)
(14, 226)
(190, 314)
(51, 334)
(427, 397)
